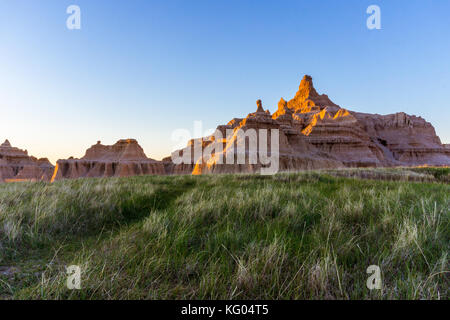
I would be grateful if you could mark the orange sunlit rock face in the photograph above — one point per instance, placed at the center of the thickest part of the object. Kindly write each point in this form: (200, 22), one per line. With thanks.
(317, 133)
(307, 99)
(314, 133)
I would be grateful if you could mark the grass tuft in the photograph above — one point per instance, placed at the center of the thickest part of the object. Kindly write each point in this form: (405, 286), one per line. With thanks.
(306, 235)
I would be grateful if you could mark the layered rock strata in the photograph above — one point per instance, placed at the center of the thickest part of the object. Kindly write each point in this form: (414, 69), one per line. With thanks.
(124, 158)
(314, 132)
(308, 131)
(17, 165)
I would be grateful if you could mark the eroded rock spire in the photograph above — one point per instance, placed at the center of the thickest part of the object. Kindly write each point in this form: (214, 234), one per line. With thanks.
(307, 97)
(259, 104)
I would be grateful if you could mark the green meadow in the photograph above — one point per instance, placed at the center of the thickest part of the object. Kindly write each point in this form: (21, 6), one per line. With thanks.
(305, 235)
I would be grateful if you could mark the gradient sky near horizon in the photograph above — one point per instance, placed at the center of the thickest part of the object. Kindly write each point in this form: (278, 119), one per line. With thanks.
(141, 69)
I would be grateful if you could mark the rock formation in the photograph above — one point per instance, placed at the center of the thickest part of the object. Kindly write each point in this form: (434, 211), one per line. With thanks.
(405, 140)
(307, 132)
(17, 165)
(124, 158)
(293, 151)
(314, 132)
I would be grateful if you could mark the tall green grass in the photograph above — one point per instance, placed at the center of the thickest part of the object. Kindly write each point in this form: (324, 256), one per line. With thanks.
(289, 236)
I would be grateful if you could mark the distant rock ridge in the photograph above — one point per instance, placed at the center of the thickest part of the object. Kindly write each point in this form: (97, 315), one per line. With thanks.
(314, 133)
(124, 158)
(125, 149)
(17, 165)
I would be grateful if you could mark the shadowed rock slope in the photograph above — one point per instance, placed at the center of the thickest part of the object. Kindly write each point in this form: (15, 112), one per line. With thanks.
(17, 165)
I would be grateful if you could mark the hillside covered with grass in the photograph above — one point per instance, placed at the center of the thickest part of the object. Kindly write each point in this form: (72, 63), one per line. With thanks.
(308, 235)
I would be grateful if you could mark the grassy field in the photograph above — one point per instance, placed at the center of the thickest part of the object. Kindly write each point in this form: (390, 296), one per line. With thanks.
(307, 235)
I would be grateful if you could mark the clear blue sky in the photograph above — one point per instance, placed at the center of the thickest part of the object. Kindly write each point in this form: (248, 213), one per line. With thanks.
(141, 69)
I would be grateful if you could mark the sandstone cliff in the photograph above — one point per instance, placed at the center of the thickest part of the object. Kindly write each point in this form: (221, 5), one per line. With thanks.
(124, 158)
(294, 152)
(311, 132)
(317, 133)
(17, 165)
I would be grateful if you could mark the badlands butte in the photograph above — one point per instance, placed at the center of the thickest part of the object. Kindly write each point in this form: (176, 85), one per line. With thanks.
(314, 133)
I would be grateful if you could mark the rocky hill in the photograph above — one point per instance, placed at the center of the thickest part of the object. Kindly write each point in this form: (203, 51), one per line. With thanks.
(17, 165)
(317, 133)
(312, 132)
(124, 158)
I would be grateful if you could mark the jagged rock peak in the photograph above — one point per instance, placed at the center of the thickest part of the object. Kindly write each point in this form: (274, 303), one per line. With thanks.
(6, 144)
(259, 104)
(307, 99)
(282, 109)
(283, 106)
(306, 89)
